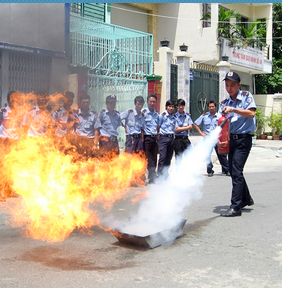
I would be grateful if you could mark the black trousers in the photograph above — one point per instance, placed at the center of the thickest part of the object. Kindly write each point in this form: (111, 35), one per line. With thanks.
(237, 157)
(151, 151)
(166, 145)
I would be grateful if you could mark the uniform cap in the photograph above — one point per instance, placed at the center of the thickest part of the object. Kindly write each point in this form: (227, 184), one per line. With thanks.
(232, 76)
(111, 98)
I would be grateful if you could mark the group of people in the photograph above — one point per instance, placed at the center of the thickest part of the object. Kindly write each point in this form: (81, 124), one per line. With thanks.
(147, 132)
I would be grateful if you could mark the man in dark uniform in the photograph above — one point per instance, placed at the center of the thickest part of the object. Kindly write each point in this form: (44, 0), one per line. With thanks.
(82, 136)
(241, 106)
(150, 136)
(209, 121)
(106, 126)
(182, 126)
(11, 131)
(166, 140)
(134, 123)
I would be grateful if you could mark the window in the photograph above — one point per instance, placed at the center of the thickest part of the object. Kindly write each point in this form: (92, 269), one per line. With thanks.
(95, 11)
(206, 14)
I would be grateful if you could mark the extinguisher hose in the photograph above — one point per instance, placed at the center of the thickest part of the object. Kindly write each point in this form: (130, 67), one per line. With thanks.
(223, 123)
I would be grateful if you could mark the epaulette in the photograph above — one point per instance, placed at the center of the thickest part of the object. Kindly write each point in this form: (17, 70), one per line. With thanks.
(103, 110)
(117, 111)
(144, 110)
(164, 113)
(130, 110)
(175, 115)
(224, 101)
(244, 93)
(206, 113)
(94, 112)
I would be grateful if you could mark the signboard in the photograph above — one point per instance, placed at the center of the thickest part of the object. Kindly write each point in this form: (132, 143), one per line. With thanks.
(191, 75)
(247, 57)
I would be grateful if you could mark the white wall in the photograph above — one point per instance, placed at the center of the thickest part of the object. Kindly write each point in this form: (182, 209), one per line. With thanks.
(121, 16)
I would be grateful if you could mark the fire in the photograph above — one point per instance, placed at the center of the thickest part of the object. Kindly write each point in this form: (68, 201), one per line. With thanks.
(57, 191)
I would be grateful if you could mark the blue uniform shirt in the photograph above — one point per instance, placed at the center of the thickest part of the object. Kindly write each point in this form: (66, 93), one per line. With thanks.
(182, 121)
(209, 122)
(240, 124)
(63, 121)
(133, 122)
(9, 123)
(167, 123)
(108, 123)
(85, 125)
(151, 121)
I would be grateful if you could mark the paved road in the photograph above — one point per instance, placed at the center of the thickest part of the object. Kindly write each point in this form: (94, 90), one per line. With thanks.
(243, 251)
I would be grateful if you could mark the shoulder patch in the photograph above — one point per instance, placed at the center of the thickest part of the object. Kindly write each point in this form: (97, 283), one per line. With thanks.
(245, 93)
(206, 113)
(117, 111)
(130, 110)
(224, 101)
(94, 112)
(103, 110)
(163, 114)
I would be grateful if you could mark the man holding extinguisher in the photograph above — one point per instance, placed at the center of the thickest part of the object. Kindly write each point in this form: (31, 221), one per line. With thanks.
(240, 108)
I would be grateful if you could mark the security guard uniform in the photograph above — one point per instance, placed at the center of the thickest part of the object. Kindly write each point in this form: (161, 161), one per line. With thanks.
(150, 141)
(108, 124)
(241, 132)
(182, 141)
(134, 125)
(166, 142)
(83, 132)
(209, 123)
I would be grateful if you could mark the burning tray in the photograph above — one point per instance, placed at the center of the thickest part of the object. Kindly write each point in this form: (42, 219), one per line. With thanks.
(153, 240)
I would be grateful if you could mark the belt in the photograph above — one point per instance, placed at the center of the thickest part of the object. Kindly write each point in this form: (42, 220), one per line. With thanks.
(168, 135)
(106, 138)
(153, 135)
(135, 135)
(181, 137)
(239, 136)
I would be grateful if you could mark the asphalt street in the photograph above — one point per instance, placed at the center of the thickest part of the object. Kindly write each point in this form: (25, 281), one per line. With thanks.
(214, 251)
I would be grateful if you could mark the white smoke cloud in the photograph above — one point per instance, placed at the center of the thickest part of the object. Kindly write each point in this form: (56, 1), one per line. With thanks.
(166, 201)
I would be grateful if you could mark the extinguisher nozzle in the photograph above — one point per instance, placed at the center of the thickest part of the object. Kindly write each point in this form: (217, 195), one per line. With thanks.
(223, 123)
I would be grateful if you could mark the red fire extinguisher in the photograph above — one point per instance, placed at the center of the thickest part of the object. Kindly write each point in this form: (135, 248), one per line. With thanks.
(223, 121)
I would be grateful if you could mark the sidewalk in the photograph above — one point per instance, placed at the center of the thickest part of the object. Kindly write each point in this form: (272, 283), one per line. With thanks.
(269, 144)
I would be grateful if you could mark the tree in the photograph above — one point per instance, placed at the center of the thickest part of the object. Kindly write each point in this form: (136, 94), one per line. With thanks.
(272, 83)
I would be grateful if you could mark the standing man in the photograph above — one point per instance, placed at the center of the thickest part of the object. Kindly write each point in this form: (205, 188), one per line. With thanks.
(150, 136)
(135, 124)
(83, 130)
(38, 120)
(106, 133)
(63, 118)
(166, 140)
(209, 121)
(241, 106)
(183, 125)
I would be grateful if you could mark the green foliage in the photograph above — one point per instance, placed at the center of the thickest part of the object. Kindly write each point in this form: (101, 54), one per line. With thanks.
(272, 83)
(260, 121)
(275, 122)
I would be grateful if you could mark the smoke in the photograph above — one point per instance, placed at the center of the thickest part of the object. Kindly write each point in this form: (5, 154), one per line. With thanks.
(166, 201)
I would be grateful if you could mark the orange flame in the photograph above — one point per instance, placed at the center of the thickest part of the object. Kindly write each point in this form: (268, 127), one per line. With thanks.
(56, 189)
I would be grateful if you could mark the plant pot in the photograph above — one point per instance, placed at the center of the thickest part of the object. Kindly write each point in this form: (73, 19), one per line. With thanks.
(262, 137)
(276, 137)
(269, 137)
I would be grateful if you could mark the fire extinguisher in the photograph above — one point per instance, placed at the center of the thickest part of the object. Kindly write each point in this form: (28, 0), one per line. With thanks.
(223, 122)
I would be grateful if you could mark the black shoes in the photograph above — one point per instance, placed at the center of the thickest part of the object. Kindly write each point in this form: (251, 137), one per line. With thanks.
(231, 213)
(210, 174)
(226, 173)
(248, 203)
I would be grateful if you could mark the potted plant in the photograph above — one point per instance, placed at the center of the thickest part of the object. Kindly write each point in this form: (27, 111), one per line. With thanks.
(275, 123)
(260, 123)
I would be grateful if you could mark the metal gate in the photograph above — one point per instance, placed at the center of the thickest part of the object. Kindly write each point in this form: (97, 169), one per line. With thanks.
(173, 82)
(203, 88)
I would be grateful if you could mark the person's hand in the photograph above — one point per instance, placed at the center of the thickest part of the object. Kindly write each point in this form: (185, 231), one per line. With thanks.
(222, 144)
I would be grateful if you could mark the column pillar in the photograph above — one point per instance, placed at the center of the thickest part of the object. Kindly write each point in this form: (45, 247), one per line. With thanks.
(224, 67)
